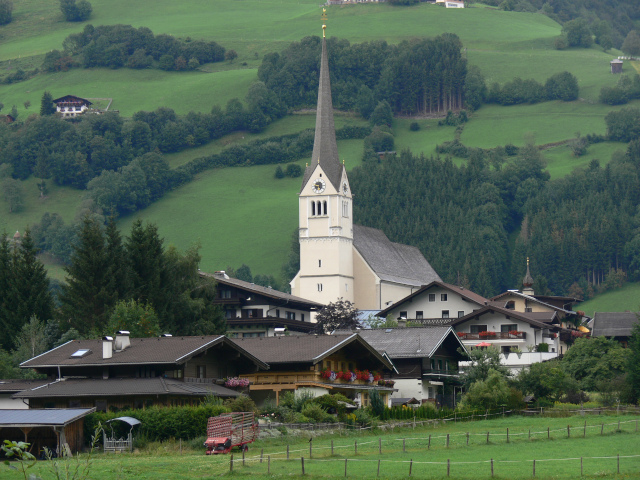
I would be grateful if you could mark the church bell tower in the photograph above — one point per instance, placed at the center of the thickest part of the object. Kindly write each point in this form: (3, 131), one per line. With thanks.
(325, 210)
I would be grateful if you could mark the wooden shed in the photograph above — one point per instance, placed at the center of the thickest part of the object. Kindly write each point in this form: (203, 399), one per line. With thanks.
(616, 66)
(51, 428)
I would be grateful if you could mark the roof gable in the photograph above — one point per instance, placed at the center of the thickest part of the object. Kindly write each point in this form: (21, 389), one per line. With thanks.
(613, 324)
(410, 342)
(506, 312)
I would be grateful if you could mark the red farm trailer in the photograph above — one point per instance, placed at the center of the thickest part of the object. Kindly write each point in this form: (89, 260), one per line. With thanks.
(230, 430)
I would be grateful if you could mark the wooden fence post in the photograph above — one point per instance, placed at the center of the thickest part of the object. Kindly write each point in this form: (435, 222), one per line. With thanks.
(379, 446)
(548, 433)
(447, 440)
(302, 463)
(529, 434)
(507, 434)
(261, 454)
(231, 463)
(332, 448)
(355, 446)
(448, 467)
(403, 446)
(487, 438)
(534, 468)
(492, 467)
(568, 431)
(269, 464)
(467, 439)
(584, 434)
(602, 429)
(618, 425)
(287, 452)
(618, 464)
(410, 466)
(429, 445)
(311, 448)
(378, 468)
(345, 467)
(581, 469)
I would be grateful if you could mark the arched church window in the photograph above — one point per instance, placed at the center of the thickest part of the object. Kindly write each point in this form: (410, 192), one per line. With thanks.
(325, 207)
(313, 208)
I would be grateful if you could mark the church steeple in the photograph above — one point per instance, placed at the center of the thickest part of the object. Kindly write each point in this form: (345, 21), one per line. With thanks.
(325, 147)
(527, 281)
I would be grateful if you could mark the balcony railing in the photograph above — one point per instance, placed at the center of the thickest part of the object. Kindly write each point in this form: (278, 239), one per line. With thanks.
(433, 371)
(488, 336)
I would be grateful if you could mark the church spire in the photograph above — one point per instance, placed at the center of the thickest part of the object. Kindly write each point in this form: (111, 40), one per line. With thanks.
(527, 281)
(325, 148)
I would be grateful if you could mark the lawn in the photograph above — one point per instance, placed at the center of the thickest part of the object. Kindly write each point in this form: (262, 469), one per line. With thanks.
(425, 451)
(624, 299)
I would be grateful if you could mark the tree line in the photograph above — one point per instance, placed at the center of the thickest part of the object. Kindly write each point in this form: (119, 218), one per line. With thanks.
(112, 283)
(116, 46)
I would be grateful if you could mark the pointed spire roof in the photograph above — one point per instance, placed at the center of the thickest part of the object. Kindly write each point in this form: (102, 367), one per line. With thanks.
(527, 281)
(325, 148)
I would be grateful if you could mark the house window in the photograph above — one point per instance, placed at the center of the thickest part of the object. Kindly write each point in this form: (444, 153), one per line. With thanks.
(432, 392)
(446, 365)
(477, 328)
(445, 313)
(460, 313)
(528, 309)
(508, 328)
(75, 404)
(230, 314)
(319, 287)
(225, 293)
(177, 373)
(511, 305)
(443, 297)
(101, 405)
(432, 297)
(291, 315)
(419, 315)
(277, 313)
(302, 317)
(403, 314)
(433, 364)
(440, 364)
(252, 313)
(201, 371)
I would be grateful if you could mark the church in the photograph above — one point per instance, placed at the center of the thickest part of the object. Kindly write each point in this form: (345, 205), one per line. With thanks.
(339, 259)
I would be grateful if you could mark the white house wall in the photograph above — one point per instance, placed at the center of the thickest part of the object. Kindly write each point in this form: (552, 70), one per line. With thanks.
(420, 303)
(6, 402)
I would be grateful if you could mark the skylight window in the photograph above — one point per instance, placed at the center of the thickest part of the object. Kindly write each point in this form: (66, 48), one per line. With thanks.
(83, 352)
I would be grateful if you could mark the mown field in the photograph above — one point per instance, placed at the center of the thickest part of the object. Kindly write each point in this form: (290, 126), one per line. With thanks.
(244, 215)
(556, 444)
(625, 299)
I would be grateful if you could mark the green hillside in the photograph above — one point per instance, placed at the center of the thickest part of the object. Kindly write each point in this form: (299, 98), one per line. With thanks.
(244, 215)
(625, 299)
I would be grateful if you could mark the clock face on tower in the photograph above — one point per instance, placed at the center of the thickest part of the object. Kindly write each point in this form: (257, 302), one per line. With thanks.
(319, 185)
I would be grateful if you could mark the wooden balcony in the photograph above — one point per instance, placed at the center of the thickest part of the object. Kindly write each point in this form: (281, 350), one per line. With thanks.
(494, 336)
(280, 378)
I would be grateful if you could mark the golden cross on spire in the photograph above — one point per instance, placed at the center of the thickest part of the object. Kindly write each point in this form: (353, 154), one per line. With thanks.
(324, 20)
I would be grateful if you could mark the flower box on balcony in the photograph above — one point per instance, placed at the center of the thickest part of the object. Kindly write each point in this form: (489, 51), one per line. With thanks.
(487, 334)
(462, 334)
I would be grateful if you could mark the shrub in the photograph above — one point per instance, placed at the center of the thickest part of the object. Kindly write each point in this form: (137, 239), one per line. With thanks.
(542, 347)
(292, 170)
(241, 404)
(414, 127)
(314, 412)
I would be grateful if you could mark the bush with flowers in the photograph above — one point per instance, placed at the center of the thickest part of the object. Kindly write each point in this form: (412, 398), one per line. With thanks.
(236, 382)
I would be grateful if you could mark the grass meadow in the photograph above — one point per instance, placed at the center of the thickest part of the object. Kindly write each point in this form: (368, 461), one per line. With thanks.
(425, 452)
(624, 299)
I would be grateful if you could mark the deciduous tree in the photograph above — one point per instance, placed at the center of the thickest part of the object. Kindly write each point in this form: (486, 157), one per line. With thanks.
(338, 315)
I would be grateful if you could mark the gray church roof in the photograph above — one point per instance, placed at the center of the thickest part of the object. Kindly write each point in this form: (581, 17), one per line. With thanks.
(325, 148)
(392, 262)
(613, 324)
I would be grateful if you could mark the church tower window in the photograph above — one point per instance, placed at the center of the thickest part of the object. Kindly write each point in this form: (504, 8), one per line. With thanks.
(325, 207)
(313, 208)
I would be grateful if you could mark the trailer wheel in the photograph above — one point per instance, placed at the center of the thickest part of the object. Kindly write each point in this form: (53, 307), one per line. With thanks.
(245, 448)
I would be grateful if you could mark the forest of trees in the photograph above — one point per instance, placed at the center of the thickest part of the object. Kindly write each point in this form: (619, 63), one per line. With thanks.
(581, 232)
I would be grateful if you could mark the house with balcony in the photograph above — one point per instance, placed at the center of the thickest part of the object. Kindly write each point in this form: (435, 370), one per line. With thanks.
(437, 303)
(318, 364)
(71, 106)
(255, 311)
(517, 335)
(123, 373)
(425, 358)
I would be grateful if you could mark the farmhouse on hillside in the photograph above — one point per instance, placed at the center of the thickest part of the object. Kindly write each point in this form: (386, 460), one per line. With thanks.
(318, 364)
(137, 372)
(337, 258)
(255, 311)
(616, 325)
(71, 106)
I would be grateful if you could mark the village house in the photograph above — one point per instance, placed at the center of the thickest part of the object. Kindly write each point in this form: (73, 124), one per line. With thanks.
(616, 325)
(318, 364)
(71, 106)
(123, 373)
(425, 359)
(255, 311)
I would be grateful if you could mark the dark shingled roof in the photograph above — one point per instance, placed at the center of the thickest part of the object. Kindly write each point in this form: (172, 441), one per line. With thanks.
(613, 324)
(38, 417)
(325, 148)
(412, 342)
(12, 386)
(546, 317)
(120, 387)
(225, 279)
(142, 351)
(302, 348)
(392, 262)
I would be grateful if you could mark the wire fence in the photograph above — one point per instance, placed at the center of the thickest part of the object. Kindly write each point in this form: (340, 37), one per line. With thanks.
(420, 444)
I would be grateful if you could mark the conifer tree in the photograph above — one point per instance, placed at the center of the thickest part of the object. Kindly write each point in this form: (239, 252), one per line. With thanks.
(85, 299)
(117, 277)
(6, 290)
(146, 261)
(46, 104)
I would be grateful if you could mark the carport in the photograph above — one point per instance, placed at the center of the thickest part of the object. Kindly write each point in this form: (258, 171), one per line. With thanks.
(51, 428)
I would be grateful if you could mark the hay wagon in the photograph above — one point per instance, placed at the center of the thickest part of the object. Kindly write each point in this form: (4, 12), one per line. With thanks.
(229, 430)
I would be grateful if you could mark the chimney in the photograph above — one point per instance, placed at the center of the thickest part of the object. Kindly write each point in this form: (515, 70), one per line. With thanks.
(107, 347)
(122, 340)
